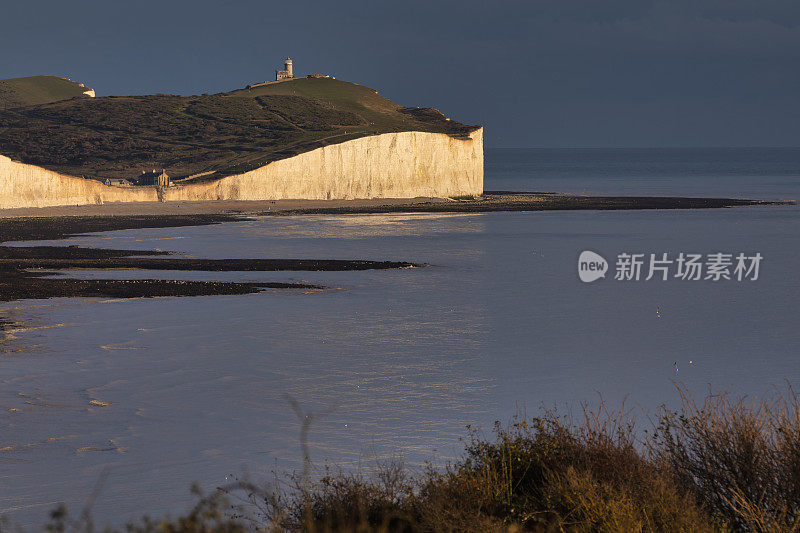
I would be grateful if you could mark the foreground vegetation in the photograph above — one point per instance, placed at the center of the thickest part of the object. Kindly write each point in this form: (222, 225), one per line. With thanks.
(726, 464)
(213, 135)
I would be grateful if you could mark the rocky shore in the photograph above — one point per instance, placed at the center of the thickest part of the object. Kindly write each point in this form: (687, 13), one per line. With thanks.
(25, 270)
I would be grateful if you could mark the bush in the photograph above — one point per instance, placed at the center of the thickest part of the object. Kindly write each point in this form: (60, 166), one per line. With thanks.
(740, 458)
(549, 473)
(726, 465)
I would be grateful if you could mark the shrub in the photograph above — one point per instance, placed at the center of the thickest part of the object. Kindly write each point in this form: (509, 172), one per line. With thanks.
(739, 457)
(728, 464)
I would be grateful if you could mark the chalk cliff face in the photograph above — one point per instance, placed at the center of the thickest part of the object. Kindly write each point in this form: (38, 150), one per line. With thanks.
(390, 165)
(24, 185)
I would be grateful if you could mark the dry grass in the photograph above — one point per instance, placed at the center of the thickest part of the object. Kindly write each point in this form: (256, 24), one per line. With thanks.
(740, 457)
(728, 464)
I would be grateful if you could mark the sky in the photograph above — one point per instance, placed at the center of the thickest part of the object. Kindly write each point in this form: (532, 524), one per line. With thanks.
(534, 73)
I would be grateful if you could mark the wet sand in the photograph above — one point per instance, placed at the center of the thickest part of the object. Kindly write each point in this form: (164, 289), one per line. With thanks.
(220, 207)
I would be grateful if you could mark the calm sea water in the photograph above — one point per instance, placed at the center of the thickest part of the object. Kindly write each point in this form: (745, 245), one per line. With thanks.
(162, 392)
(764, 173)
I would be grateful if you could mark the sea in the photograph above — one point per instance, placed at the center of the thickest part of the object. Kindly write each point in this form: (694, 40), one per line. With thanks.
(124, 404)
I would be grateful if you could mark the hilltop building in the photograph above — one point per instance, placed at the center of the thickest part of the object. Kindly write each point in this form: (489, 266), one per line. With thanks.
(287, 72)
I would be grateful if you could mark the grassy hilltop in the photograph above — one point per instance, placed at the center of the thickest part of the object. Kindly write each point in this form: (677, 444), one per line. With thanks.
(35, 90)
(213, 135)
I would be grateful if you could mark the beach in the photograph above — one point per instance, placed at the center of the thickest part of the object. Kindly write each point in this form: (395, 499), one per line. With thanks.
(489, 201)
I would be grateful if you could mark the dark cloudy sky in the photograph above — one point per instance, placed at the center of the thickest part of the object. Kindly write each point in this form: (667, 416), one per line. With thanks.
(558, 73)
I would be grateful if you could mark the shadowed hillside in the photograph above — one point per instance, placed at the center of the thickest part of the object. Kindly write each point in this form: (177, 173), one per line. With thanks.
(36, 90)
(211, 135)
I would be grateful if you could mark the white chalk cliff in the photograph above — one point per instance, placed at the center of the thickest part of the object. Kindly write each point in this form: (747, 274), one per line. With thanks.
(390, 165)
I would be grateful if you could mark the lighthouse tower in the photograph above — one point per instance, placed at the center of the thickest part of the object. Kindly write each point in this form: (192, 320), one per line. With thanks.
(287, 72)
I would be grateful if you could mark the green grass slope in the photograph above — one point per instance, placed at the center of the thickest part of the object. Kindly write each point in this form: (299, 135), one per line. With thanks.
(210, 135)
(35, 90)
(343, 95)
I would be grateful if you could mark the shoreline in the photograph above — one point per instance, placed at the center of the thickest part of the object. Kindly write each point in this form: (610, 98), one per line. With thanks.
(491, 201)
(22, 268)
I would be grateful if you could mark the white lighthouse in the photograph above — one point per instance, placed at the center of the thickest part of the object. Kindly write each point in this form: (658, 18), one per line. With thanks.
(287, 72)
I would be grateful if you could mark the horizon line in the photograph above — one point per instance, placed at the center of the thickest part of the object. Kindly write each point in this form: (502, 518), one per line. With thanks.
(666, 147)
